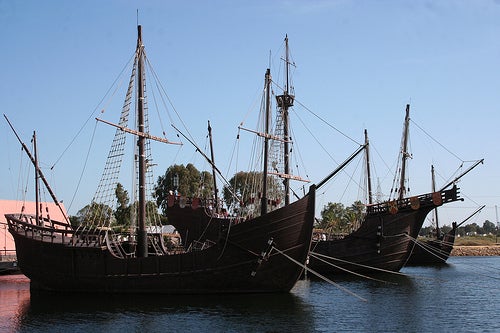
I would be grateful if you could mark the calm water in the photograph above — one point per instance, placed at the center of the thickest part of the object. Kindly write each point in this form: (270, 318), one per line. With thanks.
(462, 296)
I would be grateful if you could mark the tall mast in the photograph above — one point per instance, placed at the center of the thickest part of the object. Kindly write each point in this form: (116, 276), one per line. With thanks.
(404, 153)
(368, 172)
(263, 203)
(37, 199)
(216, 203)
(142, 245)
(438, 232)
(284, 102)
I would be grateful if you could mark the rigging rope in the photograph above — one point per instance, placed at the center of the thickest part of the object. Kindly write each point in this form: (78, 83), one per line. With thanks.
(299, 158)
(328, 124)
(160, 86)
(439, 143)
(321, 276)
(312, 254)
(434, 251)
(84, 167)
(95, 109)
(157, 82)
(359, 265)
(429, 248)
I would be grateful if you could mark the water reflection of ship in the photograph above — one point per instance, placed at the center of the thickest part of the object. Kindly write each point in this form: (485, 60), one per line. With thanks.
(8, 262)
(268, 312)
(15, 300)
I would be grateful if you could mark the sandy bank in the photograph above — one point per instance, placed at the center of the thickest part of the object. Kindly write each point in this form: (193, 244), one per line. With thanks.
(490, 250)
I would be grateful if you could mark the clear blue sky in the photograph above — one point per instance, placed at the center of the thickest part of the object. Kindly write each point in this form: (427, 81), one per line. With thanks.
(358, 63)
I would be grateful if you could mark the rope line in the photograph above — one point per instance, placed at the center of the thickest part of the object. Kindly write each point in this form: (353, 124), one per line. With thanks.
(321, 276)
(349, 271)
(357, 264)
(432, 249)
(436, 141)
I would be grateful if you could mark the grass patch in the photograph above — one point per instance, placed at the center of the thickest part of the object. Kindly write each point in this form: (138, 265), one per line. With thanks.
(475, 240)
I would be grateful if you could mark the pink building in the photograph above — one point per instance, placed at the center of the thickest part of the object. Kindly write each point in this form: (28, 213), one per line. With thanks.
(7, 246)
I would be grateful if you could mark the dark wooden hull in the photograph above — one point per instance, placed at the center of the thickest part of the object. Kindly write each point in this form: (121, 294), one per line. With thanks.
(384, 240)
(432, 251)
(53, 262)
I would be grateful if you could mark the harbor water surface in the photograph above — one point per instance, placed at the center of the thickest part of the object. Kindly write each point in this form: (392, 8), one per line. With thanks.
(462, 296)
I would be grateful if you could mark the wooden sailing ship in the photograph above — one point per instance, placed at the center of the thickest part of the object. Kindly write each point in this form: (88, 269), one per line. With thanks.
(262, 254)
(437, 249)
(200, 218)
(433, 251)
(385, 238)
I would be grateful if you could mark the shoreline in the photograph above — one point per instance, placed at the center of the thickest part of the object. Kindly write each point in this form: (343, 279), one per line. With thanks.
(475, 250)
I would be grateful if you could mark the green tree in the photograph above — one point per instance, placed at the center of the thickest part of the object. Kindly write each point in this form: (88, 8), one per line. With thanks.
(445, 229)
(152, 215)
(122, 212)
(334, 217)
(321, 224)
(191, 183)
(242, 184)
(471, 228)
(247, 186)
(425, 231)
(95, 213)
(74, 221)
(489, 227)
(355, 214)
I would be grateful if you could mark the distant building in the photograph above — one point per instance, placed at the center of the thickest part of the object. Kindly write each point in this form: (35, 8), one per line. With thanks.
(7, 246)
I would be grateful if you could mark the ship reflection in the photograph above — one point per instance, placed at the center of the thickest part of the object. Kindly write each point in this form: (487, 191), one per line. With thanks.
(15, 301)
(262, 312)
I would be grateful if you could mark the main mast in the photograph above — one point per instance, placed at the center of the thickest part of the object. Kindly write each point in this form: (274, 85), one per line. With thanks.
(263, 203)
(142, 244)
(368, 172)
(284, 102)
(404, 153)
